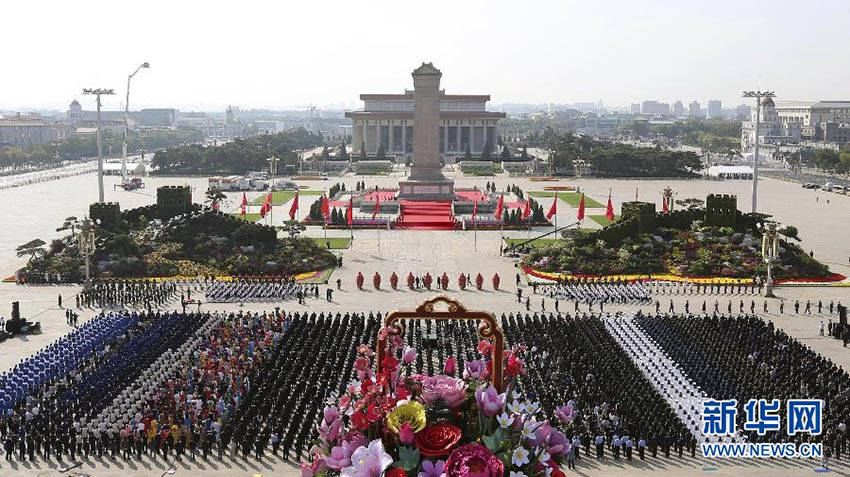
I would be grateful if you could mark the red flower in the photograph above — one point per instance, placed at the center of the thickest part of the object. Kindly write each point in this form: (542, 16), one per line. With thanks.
(438, 439)
(390, 363)
(359, 420)
(373, 413)
(396, 472)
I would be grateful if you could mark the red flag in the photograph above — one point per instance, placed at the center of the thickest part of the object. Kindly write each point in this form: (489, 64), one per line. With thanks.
(500, 206)
(215, 205)
(474, 209)
(349, 214)
(554, 209)
(244, 205)
(526, 212)
(581, 208)
(609, 211)
(326, 207)
(664, 204)
(377, 205)
(293, 209)
(267, 205)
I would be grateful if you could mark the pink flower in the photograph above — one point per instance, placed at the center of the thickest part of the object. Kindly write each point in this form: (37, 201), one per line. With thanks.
(433, 469)
(490, 401)
(365, 350)
(361, 363)
(409, 355)
(449, 367)
(340, 457)
(355, 439)
(368, 461)
(476, 369)
(484, 347)
(330, 413)
(564, 413)
(474, 460)
(405, 433)
(451, 391)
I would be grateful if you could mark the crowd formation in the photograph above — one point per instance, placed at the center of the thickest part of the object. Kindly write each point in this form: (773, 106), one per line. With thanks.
(743, 357)
(175, 385)
(261, 290)
(618, 291)
(145, 295)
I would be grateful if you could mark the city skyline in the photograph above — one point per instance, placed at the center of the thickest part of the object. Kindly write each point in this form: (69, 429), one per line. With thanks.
(298, 55)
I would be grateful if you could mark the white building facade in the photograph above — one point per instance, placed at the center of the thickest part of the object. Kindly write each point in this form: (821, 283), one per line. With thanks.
(387, 120)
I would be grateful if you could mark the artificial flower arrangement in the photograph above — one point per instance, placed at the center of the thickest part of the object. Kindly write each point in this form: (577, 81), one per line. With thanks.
(396, 423)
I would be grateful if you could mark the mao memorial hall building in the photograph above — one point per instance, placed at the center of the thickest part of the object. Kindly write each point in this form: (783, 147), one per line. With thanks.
(387, 120)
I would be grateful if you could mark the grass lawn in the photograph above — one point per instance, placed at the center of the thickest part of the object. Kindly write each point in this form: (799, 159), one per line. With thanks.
(337, 243)
(249, 216)
(570, 198)
(573, 198)
(280, 197)
(537, 243)
(602, 220)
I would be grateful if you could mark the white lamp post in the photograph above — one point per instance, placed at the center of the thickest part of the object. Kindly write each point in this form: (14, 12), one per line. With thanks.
(85, 242)
(127, 119)
(770, 252)
(98, 92)
(759, 95)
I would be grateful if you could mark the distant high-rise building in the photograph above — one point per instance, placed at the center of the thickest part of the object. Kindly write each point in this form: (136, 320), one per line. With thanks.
(654, 107)
(634, 108)
(742, 112)
(678, 109)
(715, 109)
(694, 109)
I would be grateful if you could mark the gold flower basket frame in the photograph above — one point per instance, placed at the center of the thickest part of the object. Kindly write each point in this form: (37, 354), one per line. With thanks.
(488, 328)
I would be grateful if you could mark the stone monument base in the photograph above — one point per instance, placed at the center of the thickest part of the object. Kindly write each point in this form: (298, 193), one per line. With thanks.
(426, 190)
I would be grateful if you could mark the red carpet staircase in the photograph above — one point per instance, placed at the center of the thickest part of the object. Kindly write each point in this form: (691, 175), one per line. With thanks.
(426, 216)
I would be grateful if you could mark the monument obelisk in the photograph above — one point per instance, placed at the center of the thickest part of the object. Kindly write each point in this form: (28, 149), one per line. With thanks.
(426, 180)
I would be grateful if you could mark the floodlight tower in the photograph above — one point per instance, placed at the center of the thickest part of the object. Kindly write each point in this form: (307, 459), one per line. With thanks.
(126, 120)
(98, 92)
(762, 97)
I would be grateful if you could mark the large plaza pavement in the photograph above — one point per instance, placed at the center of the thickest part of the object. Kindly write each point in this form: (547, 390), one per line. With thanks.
(36, 211)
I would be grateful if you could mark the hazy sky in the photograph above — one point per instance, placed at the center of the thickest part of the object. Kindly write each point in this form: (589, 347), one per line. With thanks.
(205, 55)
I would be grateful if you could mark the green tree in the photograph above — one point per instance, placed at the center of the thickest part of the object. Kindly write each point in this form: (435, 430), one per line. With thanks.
(214, 195)
(33, 248)
(506, 153)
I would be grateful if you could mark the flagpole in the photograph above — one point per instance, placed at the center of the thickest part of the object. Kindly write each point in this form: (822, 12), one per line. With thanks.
(475, 232)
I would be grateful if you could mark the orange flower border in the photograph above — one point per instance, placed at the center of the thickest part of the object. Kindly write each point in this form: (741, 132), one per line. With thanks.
(835, 279)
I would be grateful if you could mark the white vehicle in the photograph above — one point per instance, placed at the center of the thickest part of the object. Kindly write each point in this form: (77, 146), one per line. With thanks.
(828, 186)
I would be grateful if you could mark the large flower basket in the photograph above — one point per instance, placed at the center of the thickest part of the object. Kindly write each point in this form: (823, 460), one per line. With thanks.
(360, 280)
(444, 281)
(461, 281)
(394, 281)
(376, 281)
(392, 421)
(496, 281)
(410, 280)
(479, 281)
(427, 280)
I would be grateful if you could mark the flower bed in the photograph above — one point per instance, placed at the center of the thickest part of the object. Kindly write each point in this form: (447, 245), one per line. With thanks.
(393, 422)
(834, 278)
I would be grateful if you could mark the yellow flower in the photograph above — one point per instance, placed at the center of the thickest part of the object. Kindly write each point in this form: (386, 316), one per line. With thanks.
(411, 412)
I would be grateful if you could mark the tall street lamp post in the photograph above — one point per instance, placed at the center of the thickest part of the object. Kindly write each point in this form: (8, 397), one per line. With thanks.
(770, 252)
(86, 244)
(98, 92)
(127, 119)
(758, 95)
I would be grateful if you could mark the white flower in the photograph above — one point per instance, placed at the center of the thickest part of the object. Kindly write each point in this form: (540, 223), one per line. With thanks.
(519, 457)
(516, 407)
(517, 474)
(528, 430)
(516, 396)
(505, 420)
(543, 456)
(532, 407)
